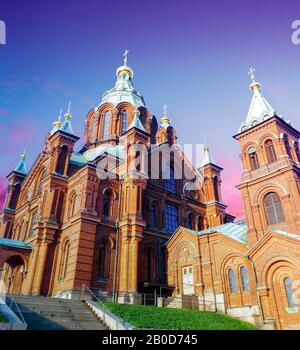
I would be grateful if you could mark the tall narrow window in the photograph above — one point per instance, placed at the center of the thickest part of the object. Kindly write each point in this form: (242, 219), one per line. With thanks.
(33, 221)
(124, 122)
(171, 217)
(244, 278)
(288, 284)
(287, 146)
(232, 281)
(170, 182)
(273, 208)
(296, 147)
(189, 222)
(106, 123)
(64, 261)
(107, 203)
(61, 161)
(270, 151)
(104, 259)
(216, 188)
(153, 216)
(253, 158)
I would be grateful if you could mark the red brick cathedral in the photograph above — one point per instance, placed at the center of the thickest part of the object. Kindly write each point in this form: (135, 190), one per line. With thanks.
(118, 216)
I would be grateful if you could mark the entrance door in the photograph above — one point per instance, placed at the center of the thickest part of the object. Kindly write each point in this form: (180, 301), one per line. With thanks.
(188, 280)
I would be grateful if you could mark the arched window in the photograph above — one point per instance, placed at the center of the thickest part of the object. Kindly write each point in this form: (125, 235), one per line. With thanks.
(152, 216)
(73, 205)
(171, 217)
(244, 278)
(170, 182)
(33, 221)
(288, 284)
(106, 122)
(189, 222)
(64, 261)
(150, 264)
(287, 146)
(273, 208)
(104, 259)
(296, 147)
(61, 161)
(232, 281)
(124, 122)
(253, 158)
(270, 151)
(216, 189)
(107, 203)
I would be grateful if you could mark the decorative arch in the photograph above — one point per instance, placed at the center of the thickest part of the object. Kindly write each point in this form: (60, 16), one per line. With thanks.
(265, 189)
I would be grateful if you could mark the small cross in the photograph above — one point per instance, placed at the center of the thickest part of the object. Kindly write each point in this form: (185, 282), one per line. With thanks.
(165, 110)
(252, 75)
(126, 52)
(69, 108)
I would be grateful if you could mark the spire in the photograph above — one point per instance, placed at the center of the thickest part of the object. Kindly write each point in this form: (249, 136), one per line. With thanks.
(57, 124)
(21, 167)
(136, 122)
(207, 158)
(165, 120)
(66, 125)
(260, 109)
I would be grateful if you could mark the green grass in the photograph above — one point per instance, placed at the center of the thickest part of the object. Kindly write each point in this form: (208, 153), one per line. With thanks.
(163, 318)
(3, 318)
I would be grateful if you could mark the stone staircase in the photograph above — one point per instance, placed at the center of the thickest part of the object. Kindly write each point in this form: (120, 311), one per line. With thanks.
(45, 313)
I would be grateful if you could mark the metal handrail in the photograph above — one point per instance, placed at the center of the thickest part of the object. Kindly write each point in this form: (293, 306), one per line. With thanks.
(12, 301)
(98, 300)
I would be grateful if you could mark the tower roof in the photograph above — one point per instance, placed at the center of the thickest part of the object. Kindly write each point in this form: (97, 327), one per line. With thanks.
(124, 90)
(66, 125)
(136, 123)
(21, 167)
(207, 158)
(260, 109)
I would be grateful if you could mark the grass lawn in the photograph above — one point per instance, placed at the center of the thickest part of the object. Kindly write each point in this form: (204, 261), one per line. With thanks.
(164, 318)
(2, 318)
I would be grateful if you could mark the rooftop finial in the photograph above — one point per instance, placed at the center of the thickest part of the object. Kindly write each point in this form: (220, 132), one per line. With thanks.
(68, 115)
(254, 84)
(252, 74)
(23, 155)
(126, 52)
(165, 111)
(57, 123)
(165, 120)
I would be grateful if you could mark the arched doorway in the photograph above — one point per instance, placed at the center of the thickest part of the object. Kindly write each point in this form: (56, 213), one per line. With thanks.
(13, 274)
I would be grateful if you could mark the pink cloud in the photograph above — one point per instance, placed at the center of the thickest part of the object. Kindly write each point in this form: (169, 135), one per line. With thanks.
(20, 132)
(231, 177)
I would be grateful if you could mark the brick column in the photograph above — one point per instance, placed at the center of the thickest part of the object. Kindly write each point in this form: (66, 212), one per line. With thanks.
(133, 267)
(123, 279)
(37, 285)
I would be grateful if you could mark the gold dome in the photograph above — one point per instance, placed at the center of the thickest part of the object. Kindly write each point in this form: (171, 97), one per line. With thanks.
(255, 86)
(124, 69)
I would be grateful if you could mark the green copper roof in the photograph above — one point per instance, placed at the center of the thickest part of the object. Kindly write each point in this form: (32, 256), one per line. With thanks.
(235, 230)
(12, 243)
(287, 234)
(78, 159)
(115, 151)
(136, 123)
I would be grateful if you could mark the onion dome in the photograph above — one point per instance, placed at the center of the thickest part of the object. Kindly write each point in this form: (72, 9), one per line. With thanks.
(165, 120)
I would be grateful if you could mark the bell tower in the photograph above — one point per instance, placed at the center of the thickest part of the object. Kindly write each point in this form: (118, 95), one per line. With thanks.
(271, 169)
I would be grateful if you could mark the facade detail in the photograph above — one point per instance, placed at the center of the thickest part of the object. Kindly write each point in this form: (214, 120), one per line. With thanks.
(121, 215)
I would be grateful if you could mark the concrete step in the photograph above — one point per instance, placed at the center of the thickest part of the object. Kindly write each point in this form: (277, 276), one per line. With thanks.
(48, 313)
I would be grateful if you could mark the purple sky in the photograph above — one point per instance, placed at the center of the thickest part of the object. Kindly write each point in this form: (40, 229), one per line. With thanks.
(191, 55)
